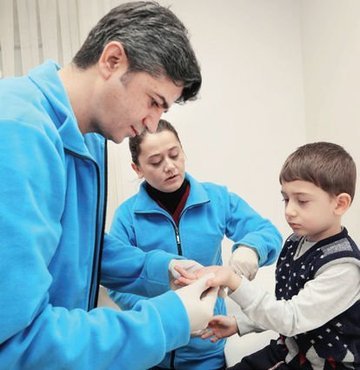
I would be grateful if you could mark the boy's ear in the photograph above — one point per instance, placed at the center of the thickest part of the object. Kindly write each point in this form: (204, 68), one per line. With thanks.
(137, 170)
(343, 202)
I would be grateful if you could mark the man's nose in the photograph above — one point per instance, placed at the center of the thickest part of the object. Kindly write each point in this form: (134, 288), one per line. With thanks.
(151, 121)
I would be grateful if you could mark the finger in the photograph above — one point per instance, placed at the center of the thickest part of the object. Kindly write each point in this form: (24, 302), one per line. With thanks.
(207, 333)
(222, 292)
(210, 296)
(200, 285)
(184, 272)
(181, 281)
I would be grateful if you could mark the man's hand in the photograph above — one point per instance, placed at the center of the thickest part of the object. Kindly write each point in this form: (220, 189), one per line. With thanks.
(245, 261)
(199, 301)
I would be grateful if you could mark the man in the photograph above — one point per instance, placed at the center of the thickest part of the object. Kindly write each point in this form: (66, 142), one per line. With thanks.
(54, 123)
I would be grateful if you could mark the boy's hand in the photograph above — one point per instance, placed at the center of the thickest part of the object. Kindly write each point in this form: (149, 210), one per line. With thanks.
(225, 277)
(245, 261)
(187, 276)
(220, 327)
(179, 267)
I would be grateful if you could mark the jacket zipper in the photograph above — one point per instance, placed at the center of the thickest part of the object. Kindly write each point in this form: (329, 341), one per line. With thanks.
(94, 285)
(179, 250)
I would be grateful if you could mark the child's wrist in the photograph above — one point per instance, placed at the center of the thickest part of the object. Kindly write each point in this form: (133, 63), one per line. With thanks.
(235, 281)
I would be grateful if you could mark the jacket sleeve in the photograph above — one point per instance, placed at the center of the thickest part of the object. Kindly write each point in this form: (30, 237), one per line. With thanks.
(247, 227)
(101, 339)
(121, 229)
(126, 301)
(36, 334)
(129, 269)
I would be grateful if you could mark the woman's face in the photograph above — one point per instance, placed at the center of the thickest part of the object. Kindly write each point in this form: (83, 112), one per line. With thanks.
(161, 161)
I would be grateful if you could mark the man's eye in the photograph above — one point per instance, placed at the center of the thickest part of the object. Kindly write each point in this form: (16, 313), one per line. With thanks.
(154, 103)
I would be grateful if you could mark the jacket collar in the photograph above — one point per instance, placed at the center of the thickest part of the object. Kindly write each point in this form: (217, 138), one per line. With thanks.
(198, 195)
(46, 78)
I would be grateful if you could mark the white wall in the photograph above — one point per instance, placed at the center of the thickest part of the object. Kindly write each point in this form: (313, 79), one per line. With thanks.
(331, 51)
(250, 114)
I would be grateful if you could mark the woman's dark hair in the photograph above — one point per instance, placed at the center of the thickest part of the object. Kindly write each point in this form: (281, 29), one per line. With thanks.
(135, 142)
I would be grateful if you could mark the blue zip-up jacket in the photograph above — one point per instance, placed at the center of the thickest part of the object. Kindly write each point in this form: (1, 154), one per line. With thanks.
(52, 207)
(211, 212)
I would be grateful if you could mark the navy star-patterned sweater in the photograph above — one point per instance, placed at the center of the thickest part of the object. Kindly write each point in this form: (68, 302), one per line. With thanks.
(338, 341)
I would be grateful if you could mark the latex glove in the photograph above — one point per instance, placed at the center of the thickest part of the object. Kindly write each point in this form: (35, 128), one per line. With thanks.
(189, 265)
(199, 302)
(245, 261)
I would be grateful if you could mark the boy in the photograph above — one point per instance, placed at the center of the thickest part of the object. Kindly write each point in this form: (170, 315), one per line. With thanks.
(317, 304)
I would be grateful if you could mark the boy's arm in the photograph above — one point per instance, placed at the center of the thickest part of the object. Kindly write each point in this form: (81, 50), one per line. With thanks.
(332, 292)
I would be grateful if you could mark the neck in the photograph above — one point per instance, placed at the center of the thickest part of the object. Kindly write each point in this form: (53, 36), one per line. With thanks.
(79, 85)
(169, 201)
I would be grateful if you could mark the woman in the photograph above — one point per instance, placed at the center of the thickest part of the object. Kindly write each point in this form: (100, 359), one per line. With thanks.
(174, 212)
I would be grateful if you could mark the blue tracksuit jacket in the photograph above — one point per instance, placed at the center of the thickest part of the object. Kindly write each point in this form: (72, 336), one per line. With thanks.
(52, 207)
(210, 213)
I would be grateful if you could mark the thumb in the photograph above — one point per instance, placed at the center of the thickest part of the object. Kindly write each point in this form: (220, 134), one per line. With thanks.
(200, 285)
(210, 296)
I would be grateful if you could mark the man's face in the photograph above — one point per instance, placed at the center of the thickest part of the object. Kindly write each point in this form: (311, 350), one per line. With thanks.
(130, 102)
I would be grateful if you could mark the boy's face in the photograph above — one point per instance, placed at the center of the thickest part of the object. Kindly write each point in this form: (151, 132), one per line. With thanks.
(309, 210)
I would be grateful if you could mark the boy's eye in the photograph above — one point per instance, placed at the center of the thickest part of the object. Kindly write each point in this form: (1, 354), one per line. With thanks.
(302, 201)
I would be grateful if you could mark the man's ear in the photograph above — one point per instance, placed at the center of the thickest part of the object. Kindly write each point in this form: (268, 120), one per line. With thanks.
(343, 202)
(137, 170)
(112, 58)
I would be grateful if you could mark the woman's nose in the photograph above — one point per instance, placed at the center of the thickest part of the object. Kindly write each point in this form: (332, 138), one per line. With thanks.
(169, 165)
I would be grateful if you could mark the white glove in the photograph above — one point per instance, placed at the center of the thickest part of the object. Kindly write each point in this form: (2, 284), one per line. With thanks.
(188, 265)
(199, 305)
(245, 261)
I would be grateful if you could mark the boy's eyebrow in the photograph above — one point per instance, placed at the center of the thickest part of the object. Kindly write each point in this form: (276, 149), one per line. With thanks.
(295, 193)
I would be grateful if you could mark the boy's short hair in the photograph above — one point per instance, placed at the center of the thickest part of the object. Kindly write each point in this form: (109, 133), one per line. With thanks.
(326, 165)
